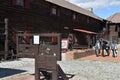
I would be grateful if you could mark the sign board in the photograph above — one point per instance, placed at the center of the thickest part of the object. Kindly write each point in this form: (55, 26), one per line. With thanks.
(36, 39)
(64, 44)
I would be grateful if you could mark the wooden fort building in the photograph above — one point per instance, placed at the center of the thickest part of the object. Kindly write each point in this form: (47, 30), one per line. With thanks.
(47, 16)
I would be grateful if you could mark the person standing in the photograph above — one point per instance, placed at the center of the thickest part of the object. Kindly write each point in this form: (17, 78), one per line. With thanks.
(114, 48)
(106, 47)
(70, 41)
(97, 48)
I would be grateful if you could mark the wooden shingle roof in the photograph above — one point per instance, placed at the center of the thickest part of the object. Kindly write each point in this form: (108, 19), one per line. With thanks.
(114, 18)
(75, 8)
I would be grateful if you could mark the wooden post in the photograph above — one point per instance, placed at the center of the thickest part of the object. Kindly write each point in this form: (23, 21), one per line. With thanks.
(6, 37)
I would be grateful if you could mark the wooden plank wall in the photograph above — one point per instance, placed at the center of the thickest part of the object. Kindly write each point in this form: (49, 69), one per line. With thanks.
(38, 19)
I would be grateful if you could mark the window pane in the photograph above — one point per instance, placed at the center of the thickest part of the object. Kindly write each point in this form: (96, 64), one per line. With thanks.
(20, 2)
(53, 11)
(74, 16)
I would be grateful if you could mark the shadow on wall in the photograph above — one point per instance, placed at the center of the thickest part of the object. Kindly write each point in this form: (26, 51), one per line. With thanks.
(6, 72)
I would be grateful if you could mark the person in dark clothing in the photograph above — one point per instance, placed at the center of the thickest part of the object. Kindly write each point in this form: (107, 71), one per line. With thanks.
(101, 47)
(105, 46)
(70, 41)
(97, 48)
(114, 48)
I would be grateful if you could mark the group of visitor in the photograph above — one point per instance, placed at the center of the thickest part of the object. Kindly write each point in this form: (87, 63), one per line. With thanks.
(104, 45)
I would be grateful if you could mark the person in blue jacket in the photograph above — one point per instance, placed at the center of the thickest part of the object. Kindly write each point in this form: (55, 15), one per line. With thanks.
(114, 48)
(97, 48)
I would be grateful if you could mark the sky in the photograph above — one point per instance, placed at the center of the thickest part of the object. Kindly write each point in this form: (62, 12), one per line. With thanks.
(102, 8)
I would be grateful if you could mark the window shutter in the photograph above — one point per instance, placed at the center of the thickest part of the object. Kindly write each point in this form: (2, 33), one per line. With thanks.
(58, 11)
(27, 4)
(14, 2)
(50, 9)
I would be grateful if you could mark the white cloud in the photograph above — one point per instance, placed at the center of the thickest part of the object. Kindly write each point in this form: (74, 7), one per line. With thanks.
(96, 4)
(117, 3)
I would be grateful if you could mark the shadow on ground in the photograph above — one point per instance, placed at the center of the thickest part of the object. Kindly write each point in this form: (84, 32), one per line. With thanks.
(69, 76)
(6, 72)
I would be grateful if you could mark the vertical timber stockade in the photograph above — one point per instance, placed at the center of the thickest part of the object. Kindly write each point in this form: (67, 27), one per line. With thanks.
(4, 38)
(46, 49)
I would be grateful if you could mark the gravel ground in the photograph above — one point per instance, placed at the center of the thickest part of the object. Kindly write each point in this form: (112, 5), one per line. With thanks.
(92, 70)
(81, 69)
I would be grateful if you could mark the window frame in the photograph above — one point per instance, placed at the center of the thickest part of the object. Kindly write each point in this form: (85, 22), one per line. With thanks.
(75, 16)
(24, 3)
(20, 3)
(54, 10)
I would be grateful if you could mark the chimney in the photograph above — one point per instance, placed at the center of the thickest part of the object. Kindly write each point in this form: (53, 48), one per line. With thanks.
(90, 9)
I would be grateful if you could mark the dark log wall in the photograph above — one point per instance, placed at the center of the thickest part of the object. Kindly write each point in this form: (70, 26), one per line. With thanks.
(38, 18)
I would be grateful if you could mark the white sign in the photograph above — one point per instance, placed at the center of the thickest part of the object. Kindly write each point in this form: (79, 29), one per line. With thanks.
(64, 44)
(36, 39)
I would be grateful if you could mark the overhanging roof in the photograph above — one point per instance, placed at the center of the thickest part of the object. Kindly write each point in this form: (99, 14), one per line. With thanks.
(85, 31)
(75, 8)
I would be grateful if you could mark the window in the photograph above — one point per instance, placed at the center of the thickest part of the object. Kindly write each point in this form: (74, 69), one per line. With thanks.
(117, 28)
(20, 2)
(74, 16)
(54, 10)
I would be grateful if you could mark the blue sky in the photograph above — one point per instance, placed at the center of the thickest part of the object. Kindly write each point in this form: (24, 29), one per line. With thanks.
(102, 8)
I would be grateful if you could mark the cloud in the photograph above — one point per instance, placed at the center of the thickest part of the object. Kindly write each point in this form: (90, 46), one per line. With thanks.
(96, 4)
(115, 3)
